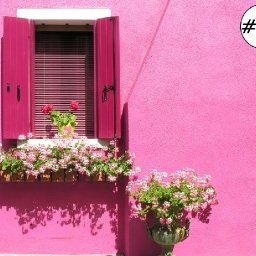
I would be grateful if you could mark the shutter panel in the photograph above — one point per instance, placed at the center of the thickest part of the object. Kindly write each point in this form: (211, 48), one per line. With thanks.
(107, 77)
(64, 72)
(32, 75)
(16, 78)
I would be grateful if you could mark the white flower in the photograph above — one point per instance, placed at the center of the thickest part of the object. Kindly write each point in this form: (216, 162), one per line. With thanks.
(21, 137)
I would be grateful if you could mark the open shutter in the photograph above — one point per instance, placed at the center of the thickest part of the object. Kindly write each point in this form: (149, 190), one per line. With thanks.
(107, 77)
(16, 78)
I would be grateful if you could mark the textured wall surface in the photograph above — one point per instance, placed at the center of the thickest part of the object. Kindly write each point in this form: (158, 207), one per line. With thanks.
(189, 80)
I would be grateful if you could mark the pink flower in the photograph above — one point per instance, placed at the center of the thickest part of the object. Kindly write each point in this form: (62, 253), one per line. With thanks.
(16, 153)
(67, 129)
(112, 178)
(47, 108)
(188, 208)
(30, 135)
(162, 220)
(169, 221)
(143, 218)
(104, 148)
(74, 104)
(193, 192)
(120, 170)
(166, 204)
(81, 170)
(75, 135)
(112, 166)
(31, 157)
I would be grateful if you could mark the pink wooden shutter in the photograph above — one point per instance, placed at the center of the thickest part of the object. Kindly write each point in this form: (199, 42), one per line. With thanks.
(16, 78)
(107, 77)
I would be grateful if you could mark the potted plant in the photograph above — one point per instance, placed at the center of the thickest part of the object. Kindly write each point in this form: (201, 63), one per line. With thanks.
(66, 122)
(171, 201)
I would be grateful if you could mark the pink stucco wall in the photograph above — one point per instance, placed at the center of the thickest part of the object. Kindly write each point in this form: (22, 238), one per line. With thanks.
(189, 80)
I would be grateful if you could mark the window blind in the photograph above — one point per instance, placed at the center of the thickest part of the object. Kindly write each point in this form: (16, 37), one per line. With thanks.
(64, 72)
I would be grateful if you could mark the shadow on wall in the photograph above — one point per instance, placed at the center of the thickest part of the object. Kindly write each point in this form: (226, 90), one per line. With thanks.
(76, 204)
(91, 206)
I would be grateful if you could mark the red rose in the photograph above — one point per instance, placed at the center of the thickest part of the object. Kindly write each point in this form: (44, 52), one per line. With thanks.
(47, 108)
(74, 104)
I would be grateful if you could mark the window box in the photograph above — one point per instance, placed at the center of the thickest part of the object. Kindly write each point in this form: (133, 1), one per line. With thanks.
(64, 161)
(5, 175)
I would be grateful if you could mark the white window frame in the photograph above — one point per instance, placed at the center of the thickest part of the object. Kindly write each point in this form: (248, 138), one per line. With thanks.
(63, 16)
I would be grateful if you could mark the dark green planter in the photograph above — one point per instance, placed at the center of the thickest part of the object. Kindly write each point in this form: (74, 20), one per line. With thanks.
(166, 237)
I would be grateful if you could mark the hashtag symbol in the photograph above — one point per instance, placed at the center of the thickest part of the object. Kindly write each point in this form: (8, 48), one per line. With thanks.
(249, 26)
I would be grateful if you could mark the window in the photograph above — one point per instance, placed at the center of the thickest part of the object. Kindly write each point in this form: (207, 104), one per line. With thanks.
(40, 65)
(64, 72)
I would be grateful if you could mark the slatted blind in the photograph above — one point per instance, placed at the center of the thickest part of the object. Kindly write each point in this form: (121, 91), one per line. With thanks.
(64, 72)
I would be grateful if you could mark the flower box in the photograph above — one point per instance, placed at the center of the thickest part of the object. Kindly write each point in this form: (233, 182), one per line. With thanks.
(5, 175)
(45, 176)
(58, 176)
(71, 176)
(65, 160)
(31, 177)
(18, 176)
(100, 176)
(83, 177)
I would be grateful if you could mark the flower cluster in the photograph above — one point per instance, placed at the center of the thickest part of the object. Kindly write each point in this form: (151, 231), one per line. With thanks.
(66, 154)
(66, 122)
(172, 199)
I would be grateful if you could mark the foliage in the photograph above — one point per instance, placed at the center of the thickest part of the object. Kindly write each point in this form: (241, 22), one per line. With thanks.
(11, 161)
(62, 119)
(172, 199)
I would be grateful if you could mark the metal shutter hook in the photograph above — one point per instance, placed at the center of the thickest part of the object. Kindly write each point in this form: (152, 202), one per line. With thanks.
(18, 93)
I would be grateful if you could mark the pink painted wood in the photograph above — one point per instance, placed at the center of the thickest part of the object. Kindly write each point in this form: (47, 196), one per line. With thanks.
(32, 75)
(16, 78)
(117, 78)
(107, 75)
